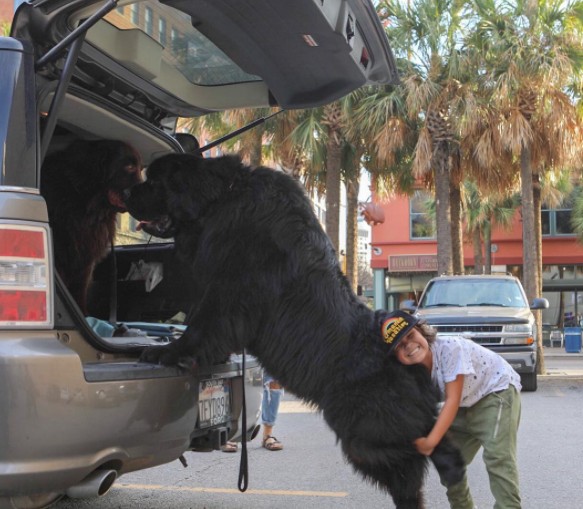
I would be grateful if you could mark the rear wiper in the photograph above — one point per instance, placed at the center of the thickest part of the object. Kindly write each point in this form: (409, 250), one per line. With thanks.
(443, 305)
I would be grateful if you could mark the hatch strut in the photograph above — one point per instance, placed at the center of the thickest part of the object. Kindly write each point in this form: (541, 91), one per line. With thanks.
(75, 39)
(236, 132)
(82, 29)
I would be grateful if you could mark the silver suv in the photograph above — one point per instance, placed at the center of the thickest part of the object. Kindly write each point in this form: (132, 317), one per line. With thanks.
(77, 408)
(491, 310)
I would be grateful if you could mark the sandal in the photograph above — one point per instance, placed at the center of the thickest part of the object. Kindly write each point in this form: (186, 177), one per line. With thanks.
(272, 443)
(230, 447)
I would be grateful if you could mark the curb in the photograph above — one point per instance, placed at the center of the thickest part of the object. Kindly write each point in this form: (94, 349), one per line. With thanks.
(560, 376)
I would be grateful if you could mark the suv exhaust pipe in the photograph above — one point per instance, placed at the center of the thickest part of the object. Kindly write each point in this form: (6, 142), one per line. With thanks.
(94, 485)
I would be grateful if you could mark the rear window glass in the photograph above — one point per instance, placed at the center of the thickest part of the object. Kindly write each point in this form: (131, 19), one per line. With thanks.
(185, 48)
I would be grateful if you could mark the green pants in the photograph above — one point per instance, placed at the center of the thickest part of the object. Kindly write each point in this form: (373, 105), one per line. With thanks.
(492, 423)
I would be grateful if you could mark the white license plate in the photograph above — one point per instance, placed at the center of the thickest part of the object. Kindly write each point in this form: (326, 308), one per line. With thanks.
(214, 402)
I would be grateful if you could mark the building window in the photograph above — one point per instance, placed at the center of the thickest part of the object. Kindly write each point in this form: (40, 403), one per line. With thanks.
(422, 222)
(149, 19)
(174, 39)
(162, 31)
(135, 14)
(557, 222)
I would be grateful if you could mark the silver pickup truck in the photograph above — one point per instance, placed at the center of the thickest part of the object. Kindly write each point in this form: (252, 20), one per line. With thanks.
(491, 310)
(77, 407)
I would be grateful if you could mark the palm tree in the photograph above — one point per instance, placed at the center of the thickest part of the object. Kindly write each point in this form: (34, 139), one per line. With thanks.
(483, 211)
(389, 136)
(438, 89)
(319, 135)
(529, 53)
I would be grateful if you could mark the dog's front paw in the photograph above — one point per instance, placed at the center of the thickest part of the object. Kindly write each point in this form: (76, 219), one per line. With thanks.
(165, 355)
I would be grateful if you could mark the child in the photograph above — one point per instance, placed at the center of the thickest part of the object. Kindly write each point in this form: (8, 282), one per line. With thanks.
(481, 403)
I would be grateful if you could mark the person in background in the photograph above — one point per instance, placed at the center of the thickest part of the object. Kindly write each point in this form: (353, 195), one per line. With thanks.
(481, 408)
(272, 394)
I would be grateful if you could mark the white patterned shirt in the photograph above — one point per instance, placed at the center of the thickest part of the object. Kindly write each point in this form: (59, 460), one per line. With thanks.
(484, 371)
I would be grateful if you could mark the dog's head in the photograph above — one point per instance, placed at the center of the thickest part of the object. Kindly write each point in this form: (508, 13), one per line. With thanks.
(98, 172)
(121, 170)
(178, 188)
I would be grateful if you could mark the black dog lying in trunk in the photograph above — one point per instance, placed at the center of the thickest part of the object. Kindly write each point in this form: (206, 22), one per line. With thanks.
(269, 281)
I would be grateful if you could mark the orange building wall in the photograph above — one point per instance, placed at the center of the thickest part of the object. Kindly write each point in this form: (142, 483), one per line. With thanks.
(6, 11)
(393, 238)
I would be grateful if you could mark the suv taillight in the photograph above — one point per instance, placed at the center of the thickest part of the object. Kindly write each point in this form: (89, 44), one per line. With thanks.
(25, 283)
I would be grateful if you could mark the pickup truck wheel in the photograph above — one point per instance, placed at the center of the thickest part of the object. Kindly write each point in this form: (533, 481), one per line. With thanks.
(529, 382)
(41, 501)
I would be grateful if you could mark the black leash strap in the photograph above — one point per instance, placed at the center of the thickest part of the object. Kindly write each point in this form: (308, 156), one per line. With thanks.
(244, 464)
(113, 289)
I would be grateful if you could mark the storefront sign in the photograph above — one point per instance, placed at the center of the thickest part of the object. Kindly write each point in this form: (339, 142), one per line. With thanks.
(413, 263)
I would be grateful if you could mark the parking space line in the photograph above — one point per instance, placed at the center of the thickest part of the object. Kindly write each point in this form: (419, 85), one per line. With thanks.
(296, 407)
(293, 493)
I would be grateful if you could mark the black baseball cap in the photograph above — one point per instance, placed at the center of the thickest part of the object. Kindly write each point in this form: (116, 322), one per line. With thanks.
(396, 326)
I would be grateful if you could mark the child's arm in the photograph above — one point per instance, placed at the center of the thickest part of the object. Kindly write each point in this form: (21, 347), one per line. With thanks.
(453, 396)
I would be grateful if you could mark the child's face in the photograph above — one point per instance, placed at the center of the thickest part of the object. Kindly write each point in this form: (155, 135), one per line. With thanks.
(413, 348)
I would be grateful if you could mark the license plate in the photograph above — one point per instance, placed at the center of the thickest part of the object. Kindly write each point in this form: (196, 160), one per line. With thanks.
(214, 402)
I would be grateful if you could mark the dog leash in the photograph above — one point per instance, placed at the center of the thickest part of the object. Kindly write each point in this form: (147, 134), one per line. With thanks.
(113, 288)
(244, 463)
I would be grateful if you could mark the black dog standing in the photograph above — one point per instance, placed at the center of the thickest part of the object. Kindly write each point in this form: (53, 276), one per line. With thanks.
(268, 280)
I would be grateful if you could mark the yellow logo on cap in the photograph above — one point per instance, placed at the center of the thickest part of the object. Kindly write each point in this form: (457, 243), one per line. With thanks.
(392, 327)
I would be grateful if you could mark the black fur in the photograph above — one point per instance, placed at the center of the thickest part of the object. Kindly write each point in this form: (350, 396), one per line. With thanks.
(83, 186)
(269, 281)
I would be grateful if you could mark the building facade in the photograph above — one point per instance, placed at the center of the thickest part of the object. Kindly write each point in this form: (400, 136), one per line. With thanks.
(404, 258)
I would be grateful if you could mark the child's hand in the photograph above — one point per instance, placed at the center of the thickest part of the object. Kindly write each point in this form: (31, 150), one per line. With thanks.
(424, 446)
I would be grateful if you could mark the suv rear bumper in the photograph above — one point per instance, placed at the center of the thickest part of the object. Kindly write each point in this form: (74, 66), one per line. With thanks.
(61, 420)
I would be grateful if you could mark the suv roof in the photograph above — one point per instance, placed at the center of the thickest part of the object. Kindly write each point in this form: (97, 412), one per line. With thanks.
(474, 276)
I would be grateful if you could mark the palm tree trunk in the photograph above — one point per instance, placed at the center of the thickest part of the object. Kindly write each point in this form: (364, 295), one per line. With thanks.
(487, 232)
(352, 231)
(333, 166)
(537, 205)
(478, 256)
(456, 228)
(528, 234)
(442, 208)
(529, 254)
(255, 152)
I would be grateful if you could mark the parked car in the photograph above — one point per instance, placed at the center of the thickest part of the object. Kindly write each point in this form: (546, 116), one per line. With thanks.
(491, 310)
(77, 409)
